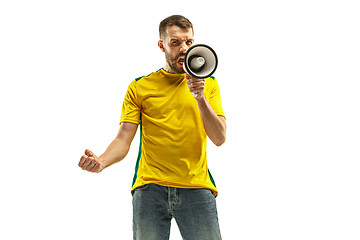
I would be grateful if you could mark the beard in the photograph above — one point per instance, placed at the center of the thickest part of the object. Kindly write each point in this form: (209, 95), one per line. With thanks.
(173, 63)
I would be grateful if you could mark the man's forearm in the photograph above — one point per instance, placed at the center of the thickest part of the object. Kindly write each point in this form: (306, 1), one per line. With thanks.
(215, 126)
(120, 146)
(116, 152)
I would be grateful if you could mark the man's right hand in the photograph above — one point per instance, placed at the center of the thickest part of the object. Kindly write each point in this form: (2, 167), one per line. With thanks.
(116, 151)
(90, 162)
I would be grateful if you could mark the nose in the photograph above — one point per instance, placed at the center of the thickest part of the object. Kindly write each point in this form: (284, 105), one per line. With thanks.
(183, 47)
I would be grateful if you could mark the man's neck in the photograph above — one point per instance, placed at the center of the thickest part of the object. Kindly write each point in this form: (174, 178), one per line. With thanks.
(168, 69)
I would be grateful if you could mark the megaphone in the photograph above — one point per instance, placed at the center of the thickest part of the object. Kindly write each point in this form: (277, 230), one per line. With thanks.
(200, 62)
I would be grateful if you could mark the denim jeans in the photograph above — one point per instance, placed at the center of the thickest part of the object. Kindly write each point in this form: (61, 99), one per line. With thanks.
(194, 211)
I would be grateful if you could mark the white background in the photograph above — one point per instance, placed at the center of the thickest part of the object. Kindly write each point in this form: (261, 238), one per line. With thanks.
(289, 76)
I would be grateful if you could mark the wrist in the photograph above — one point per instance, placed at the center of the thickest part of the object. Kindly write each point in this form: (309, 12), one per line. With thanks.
(200, 97)
(103, 162)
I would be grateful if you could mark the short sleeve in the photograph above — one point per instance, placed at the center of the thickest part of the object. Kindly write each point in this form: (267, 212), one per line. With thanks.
(215, 98)
(131, 107)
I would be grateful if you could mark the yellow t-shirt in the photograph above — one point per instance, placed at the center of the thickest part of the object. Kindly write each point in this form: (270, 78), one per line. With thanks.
(173, 139)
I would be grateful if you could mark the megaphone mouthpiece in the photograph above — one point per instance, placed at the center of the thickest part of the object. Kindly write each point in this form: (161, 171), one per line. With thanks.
(197, 62)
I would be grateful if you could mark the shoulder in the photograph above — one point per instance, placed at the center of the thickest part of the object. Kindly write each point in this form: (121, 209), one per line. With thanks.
(211, 81)
(143, 80)
(143, 83)
(144, 77)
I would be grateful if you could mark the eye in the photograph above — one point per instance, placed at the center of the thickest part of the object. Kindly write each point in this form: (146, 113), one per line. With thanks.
(175, 42)
(190, 42)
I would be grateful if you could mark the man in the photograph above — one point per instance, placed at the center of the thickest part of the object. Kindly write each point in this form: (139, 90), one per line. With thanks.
(172, 179)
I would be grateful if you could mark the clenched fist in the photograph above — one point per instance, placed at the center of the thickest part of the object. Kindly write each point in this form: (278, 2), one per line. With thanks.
(196, 86)
(90, 162)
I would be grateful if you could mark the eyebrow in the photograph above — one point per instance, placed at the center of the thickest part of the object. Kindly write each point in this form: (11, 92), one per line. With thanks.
(177, 39)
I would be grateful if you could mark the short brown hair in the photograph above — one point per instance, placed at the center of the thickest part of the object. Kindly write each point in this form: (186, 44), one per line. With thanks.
(177, 20)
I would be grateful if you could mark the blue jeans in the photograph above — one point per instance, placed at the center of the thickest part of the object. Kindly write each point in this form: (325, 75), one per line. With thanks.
(193, 209)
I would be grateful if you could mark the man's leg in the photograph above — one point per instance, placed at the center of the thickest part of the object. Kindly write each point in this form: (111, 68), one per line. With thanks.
(196, 215)
(151, 218)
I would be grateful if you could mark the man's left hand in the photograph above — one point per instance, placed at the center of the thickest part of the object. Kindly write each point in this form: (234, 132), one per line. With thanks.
(195, 85)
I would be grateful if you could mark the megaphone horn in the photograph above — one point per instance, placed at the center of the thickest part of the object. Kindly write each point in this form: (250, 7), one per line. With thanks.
(200, 61)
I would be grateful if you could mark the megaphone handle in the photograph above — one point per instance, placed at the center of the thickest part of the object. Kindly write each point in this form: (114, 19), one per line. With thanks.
(195, 94)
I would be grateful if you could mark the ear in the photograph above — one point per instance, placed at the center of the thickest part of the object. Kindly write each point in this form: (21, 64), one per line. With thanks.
(161, 45)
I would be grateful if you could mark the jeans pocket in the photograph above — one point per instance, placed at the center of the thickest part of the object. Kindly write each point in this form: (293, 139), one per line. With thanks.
(143, 188)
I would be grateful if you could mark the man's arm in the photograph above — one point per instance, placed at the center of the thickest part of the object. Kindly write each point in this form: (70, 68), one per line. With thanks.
(116, 151)
(215, 126)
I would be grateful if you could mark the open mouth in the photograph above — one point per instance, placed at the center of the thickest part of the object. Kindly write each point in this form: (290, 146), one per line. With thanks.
(181, 61)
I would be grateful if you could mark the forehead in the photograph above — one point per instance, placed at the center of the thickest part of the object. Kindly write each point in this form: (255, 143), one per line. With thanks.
(179, 33)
